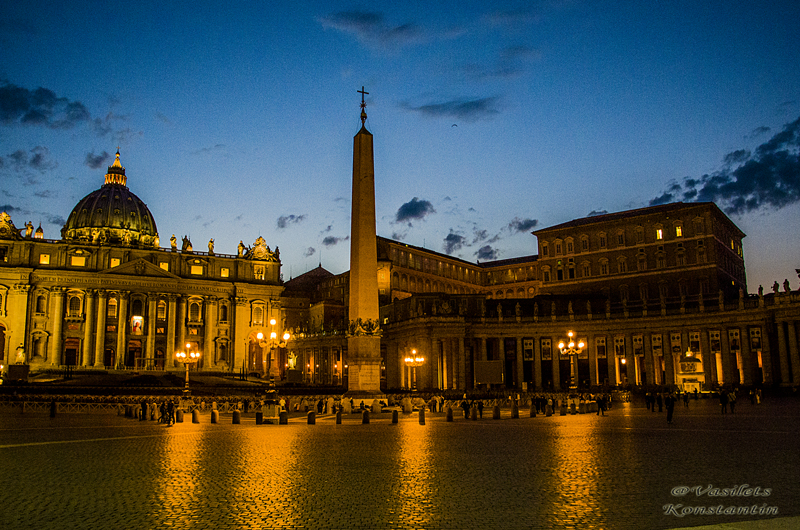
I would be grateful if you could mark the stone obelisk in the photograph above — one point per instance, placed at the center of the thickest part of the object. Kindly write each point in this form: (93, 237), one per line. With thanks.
(364, 332)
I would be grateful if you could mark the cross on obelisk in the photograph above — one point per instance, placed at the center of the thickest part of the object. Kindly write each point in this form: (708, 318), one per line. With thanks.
(363, 105)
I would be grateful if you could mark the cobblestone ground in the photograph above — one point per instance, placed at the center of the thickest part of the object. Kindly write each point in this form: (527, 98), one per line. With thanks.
(621, 471)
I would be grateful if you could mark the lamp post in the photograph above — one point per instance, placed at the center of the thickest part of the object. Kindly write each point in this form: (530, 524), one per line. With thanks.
(187, 357)
(413, 361)
(572, 349)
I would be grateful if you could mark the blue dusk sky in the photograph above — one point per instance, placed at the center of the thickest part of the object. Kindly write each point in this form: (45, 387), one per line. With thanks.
(490, 119)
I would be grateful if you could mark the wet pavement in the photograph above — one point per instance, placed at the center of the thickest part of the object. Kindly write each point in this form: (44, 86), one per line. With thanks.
(627, 470)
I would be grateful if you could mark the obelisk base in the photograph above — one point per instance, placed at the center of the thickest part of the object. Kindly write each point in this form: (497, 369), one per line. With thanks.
(364, 370)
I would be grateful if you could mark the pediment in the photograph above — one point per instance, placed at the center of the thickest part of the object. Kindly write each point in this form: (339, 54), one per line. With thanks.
(140, 267)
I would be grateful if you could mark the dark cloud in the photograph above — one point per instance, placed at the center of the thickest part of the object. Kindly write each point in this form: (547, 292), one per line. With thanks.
(42, 107)
(55, 220)
(286, 220)
(736, 157)
(758, 131)
(462, 109)
(372, 29)
(45, 194)
(310, 251)
(594, 213)
(96, 161)
(453, 243)
(511, 18)
(212, 149)
(768, 178)
(415, 209)
(331, 240)
(486, 253)
(10, 209)
(479, 235)
(511, 62)
(522, 225)
(398, 236)
(37, 159)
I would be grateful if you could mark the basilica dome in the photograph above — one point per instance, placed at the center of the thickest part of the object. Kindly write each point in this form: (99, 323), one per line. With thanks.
(112, 215)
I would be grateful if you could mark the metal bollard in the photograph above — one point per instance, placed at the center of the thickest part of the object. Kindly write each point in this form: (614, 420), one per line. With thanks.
(449, 414)
(312, 417)
(195, 416)
(533, 409)
(365, 417)
(338, 417)
(496, 412)
(283, 419)
(422, 416)
(259, 418)
(514, 410)
(214, 416)
(237, 417)
(473, 413)
(395, 416)
(179, 416)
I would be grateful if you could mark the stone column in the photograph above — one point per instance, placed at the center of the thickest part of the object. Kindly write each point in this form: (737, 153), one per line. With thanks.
(591, 354)
(89, 329)
(630, 360)
(172, 303)
(611, 359)
(793, 353)
(54, 355)
(122, 329)
(709, 360)
(433, 366)
(151, 332)
(240, 337)
(482, 354)
(766, 358)
(209, 329)
(100, 335)
(537, 363)
(649, 363)
(786, 375)
(501, 347)
(727, 359)
(445, 364)
(520, 365)
(461, 383)
(556, 364)
(748, 362)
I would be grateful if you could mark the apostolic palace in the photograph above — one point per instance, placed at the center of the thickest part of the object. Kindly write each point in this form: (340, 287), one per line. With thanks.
(656, 295)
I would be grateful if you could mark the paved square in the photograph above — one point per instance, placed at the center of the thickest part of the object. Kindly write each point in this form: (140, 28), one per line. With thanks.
(624, 470)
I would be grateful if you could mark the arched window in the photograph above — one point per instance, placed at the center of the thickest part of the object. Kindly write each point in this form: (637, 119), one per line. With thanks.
(194, 312)
(111, 308)
(258, 314)
(74, 306)
(223, 313)
(136, 308)
(161, 310)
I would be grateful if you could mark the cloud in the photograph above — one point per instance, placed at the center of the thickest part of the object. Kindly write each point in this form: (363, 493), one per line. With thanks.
(372, 29)
(453, 243)
(37, 159)
(399, 236)
(768, 178)
(487, 253)
(464, 109)
(522, 225)
(96, 161)
(310, 251)
(332, 241)
(286, 220)
(207, 150)
(40, 107)
(510, 63)
(415, 209)
(594, 213)
(758, 131)
(10, 209)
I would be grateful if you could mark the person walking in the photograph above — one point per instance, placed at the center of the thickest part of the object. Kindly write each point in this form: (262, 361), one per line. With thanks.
(686, 399)
(465, 406)
(480, 408)
(660, 402)
(670, 402)
(723, 400)
(732, 400)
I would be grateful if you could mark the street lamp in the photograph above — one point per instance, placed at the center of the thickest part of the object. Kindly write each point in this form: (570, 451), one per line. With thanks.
(413, 361)
(572, 349)
(187, 357)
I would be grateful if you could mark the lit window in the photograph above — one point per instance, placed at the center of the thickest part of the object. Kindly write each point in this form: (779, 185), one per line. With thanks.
(165, 266)
(161, 310)
(224, 272)
(197, 270)
(659, 233)
(78, 261)
(115, 262)
(678, 231)
(44, 259)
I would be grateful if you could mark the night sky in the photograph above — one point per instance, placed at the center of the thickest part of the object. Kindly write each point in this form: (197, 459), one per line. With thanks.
(490, 119)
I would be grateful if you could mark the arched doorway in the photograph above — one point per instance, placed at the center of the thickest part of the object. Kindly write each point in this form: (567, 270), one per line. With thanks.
(256, 356)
